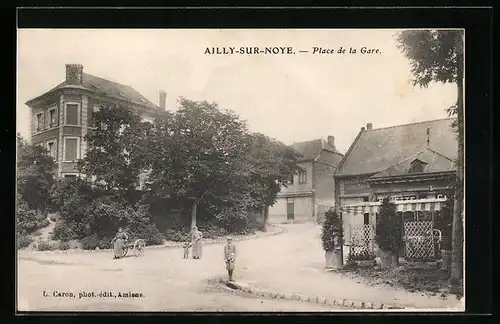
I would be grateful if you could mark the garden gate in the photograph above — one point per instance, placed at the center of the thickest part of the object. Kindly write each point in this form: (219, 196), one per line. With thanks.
(419, 241)
(361, 242)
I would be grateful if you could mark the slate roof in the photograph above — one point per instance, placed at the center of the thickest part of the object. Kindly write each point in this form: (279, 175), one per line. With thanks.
(107, 88)
(380, 149)
(318, 150)
(433, 161)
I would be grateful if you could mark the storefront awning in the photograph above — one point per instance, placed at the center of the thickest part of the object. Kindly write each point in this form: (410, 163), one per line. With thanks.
(434, 204)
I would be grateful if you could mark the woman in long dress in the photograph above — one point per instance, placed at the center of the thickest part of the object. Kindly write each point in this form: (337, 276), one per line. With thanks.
(119, 242)
(197, 245)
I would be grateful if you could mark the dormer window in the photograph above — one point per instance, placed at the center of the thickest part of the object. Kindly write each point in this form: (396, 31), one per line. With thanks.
(121, 94)
(417, 166)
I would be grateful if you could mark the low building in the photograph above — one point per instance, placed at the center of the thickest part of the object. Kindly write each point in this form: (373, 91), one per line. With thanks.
(311, 191)
(62, 116)
(413, 165)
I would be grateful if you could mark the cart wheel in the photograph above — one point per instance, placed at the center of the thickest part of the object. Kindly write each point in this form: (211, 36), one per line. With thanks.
(139, 246)
(125, 250)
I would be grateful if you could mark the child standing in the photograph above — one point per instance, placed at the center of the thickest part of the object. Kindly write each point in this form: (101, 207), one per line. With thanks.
(187, 246)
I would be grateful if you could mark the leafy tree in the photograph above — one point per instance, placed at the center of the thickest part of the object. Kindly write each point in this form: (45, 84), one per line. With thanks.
(272, 165)
(200, 156)
(437, 56)
(332, 233)
(207, 158)
(388, 230)
(118, 151)
(35, 175)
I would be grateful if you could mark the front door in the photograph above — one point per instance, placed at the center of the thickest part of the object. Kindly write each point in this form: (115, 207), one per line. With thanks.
(289, 208)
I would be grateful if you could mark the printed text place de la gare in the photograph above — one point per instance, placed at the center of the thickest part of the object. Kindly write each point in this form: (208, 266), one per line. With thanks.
(287, 50)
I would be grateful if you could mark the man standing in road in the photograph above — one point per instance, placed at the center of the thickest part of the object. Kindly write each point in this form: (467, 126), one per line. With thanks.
(229, 257)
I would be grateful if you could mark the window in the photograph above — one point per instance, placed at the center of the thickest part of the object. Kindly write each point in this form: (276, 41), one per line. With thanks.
(417, 166)
(365, 199)
(52, 148)
(38, 122)
(70, 176)
(302, 177)
(290, 180)
(366, 218)
(289, 200)
(52, 117)
(72, 113)
(71, 149)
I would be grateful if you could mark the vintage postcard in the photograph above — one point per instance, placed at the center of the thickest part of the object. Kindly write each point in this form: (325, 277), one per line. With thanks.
(247, 170)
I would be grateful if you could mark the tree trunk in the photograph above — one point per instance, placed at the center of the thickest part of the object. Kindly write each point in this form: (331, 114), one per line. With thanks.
(386, 259)
(457, 226)
(266, 217)
(193, 213)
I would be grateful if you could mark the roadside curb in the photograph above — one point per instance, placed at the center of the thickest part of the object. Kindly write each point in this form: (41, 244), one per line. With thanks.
(331, 301)
(173, 245)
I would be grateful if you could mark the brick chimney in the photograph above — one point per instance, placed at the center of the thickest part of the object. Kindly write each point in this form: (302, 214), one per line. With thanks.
(74, 73)
(331, 141)
(369, 126)
(163, 100)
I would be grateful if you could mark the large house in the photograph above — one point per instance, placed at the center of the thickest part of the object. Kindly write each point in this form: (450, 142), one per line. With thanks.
(413, 165)
(62, 116)
(311, 191)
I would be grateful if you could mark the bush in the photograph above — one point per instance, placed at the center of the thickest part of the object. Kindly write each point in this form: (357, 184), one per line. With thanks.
(23, 241)
(388, 232)
(332, 233)
(45, 246)
(176, 236)
(43, 223)
(64, 246)
(63, 232)
(26, 219)
(445, 223)
(211, 230)
(93, 241)
(365, 255)
(149, 233)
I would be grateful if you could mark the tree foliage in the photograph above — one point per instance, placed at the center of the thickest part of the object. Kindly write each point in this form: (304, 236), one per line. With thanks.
(437, 56)
(205, 154)
(332, 232)
(35, 174)
(388, 231)
(118, 151)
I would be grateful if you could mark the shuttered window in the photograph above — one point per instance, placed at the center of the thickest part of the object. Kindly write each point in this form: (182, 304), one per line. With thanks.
(71, 149)
(53, 117)
(72, 112)
(52, 148)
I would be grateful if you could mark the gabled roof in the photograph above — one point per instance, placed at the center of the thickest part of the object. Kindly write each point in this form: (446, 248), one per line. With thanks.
(107, 88)
(432, 162)
(318, 150)
(376, 150)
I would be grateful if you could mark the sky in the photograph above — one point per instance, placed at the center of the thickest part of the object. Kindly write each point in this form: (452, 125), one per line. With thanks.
(292, 98)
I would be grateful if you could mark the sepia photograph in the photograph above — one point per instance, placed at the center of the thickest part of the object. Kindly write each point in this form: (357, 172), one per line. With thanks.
(240, 170)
